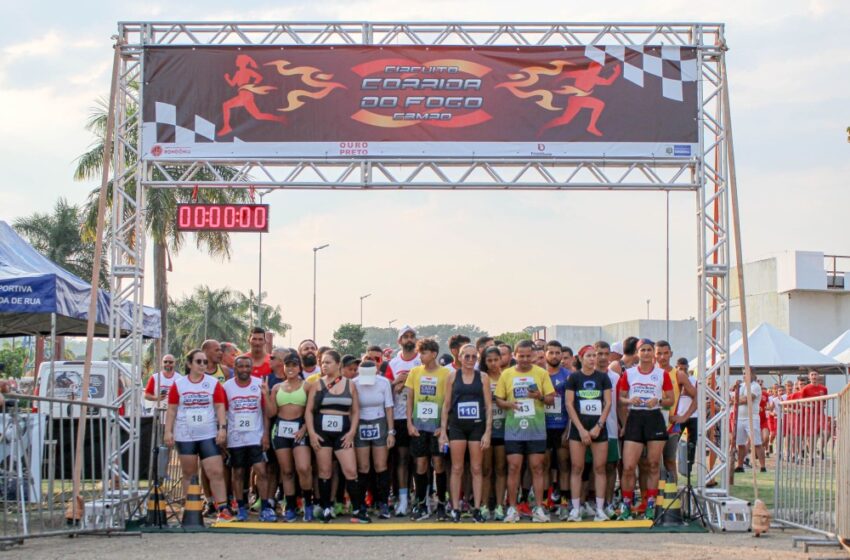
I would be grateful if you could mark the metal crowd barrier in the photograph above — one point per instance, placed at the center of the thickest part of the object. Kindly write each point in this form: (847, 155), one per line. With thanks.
(38, 440)
(843, 447)
(808, 462)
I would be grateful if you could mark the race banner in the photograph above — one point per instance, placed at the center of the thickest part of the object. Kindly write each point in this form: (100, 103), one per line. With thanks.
(420, 102)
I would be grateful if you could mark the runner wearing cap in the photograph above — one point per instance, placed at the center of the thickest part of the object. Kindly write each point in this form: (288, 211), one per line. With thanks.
(425, 388)
(588, 404)
(466, 425)
(523, 391)
(374, 435)
(558, 456)
(289, 437)
(397, 372)
(247, 435)
(644, 389)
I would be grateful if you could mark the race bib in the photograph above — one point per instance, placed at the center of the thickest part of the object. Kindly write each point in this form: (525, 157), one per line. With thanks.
(426, 411)
(428, 386)
(370, 432)
(245, 422)
(331, 423)
(590, 407)
(525, 408)
(287, 429)
(197, 418)
(468, 411)
(556, 408)
(498, 413)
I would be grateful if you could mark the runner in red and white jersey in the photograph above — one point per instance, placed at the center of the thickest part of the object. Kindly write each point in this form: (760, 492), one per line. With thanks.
(248, 434)
(814, 420)
(397, 370)
(156, 390)
(644, 389)
(196, 423)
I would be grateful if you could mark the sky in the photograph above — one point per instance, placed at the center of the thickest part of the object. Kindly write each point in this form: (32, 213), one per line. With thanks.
(501, 260)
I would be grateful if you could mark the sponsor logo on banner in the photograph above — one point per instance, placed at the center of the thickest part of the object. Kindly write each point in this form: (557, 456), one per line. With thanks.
(681, 150)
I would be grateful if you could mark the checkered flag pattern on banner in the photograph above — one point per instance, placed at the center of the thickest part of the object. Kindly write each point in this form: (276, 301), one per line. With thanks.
(671, 64)
(168, 130)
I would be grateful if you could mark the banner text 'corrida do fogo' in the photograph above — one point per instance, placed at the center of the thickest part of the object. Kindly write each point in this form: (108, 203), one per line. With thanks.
(420, 102)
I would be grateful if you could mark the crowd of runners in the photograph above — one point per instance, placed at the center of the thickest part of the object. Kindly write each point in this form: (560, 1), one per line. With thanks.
(478, 430)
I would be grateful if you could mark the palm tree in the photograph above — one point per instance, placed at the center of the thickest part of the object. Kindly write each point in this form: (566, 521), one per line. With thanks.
(223, 315)
(161, 207)
(58, 237)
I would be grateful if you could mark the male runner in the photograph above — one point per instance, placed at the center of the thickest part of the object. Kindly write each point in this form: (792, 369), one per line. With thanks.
(397, 372)
(259, 357)
(523, 391)
(558, 456)
(425, 387)
(248, 434)
(212, 349)
(160, 382)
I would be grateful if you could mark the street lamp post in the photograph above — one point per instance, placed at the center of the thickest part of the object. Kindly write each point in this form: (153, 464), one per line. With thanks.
(391, 323)
(260, 274)
(315, 250)
(361, 308)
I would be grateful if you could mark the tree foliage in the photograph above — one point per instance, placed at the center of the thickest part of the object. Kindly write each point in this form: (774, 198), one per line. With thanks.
(349, 338)
(13, 360)
(58, 236)
(223, 315)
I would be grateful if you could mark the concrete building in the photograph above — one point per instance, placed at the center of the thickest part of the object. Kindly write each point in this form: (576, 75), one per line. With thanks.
(683, 334)
(802, 293)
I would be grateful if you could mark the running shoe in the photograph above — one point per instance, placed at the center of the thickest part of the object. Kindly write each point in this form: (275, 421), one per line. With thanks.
(224, 516)
(339, 509)
(441, 512)
(563, 512)
(512, 515)
(477, 516)
(308, 514)
(455, 516)
(589, 510)
(360, 517)
(327, 515)
(575, 515)
(601, 515)
(420, 512)
(242, 513)
(625, 514)
(610, 511)
(401, 509)
(763, 470)
(739, 469)
(384, 511)
(210, 510)
(650, 511)
(523, 509)
(257, 505)
(267, 515)
(290, 516)
(541, 515)
(483, 513)
(499, 514)
(641, 508)
(234, 505)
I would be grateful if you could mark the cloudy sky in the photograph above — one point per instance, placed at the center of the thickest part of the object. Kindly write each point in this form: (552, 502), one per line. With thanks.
(502, 260)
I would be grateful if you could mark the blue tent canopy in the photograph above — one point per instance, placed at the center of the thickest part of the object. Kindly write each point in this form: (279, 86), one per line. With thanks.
(33, 288)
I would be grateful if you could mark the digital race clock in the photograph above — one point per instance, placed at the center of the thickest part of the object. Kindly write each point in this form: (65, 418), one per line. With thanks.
(223, 217)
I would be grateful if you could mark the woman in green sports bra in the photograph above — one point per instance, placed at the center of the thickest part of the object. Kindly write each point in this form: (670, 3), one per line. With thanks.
(288, 402)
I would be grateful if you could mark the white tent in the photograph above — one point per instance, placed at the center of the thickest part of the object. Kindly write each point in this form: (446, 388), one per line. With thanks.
(844, 357)
(838, 346)
(771, 348)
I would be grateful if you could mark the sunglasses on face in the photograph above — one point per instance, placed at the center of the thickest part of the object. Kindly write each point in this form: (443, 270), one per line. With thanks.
(468, 357)
(202, 362)
(168, 362)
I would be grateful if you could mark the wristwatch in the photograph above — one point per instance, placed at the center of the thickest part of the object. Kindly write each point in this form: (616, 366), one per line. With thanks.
(391, 433)
(222, 426)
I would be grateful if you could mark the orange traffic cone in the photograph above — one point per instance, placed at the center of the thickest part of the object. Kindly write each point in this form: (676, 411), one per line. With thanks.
(193, 517)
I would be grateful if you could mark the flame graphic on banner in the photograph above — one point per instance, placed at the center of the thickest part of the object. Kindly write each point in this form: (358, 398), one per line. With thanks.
(259, 90)
(531, 75)
(310, 76)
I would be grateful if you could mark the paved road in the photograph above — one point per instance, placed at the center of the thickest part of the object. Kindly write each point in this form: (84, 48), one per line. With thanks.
(776, 545)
